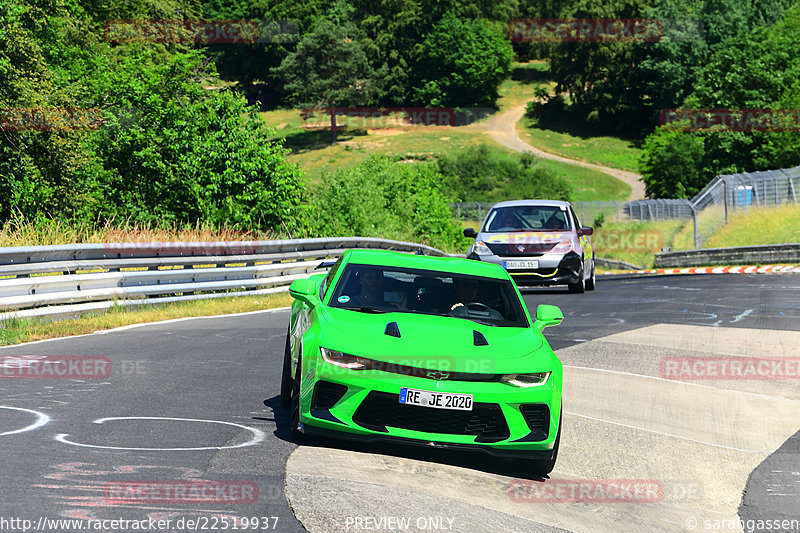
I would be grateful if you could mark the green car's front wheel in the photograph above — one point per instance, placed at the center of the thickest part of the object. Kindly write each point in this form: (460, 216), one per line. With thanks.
(295, 416)
(287, 383)
(542, 467)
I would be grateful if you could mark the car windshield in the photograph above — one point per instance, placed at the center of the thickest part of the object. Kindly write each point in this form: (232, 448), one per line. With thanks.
(527, 218)
(377, 289)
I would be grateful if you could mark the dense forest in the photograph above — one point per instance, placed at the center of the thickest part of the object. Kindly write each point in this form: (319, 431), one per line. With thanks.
(161, 127)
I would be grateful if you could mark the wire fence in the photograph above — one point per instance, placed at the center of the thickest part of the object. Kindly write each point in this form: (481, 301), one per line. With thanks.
(710, 207)
(587, 211)
(729, 191)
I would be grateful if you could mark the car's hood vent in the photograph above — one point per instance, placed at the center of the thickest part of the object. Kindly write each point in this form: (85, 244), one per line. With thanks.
(392, 330)
(478, 339)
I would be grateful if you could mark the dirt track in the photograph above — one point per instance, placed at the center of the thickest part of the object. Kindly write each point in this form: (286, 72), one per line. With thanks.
(503, 129)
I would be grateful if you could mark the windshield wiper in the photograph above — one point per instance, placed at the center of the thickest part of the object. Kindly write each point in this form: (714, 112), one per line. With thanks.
(367, 309)
(478, 320)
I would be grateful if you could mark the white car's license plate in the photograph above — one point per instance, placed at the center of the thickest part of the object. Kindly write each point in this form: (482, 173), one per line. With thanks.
(520, 264)
(437, 400)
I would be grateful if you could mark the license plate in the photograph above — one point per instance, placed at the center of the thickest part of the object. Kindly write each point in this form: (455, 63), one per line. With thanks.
(437, 400)
(520, 264)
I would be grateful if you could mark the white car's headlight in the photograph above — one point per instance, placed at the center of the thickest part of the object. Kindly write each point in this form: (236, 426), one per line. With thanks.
(563, 247)
(344, 360)
(535, 379)
(480, 248)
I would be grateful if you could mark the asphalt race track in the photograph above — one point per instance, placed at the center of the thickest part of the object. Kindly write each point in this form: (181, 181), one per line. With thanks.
(194, 403)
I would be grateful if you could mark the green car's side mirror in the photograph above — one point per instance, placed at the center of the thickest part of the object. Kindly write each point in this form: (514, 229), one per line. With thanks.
(304, 290)
(548, 315)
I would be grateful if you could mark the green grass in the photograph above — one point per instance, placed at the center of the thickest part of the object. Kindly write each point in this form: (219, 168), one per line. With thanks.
(519, 88)
(666, 231)
(589, 184)
(770, 225)
(17, 330)
(608, 151)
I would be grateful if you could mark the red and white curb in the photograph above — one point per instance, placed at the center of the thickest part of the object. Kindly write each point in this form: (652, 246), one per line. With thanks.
(766, 269)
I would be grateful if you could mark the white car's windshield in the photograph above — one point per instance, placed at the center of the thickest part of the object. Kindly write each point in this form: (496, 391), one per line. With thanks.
(527, 218)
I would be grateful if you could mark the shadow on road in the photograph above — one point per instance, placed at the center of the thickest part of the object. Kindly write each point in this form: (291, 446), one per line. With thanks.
(473, 460)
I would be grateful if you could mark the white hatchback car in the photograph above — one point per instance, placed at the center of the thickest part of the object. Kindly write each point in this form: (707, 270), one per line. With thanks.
(539, 242)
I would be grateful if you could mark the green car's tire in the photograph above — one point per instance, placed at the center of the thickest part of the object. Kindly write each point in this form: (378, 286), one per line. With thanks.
(542, 467)
(287, 383)
(295, 416)
(591, 282)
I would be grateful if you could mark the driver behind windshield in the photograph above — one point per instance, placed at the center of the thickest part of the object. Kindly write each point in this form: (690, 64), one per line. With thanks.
(465, 291)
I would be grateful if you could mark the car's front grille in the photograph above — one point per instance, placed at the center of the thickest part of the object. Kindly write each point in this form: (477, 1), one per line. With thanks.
(380, 409)
(521, 249)
(537, 417)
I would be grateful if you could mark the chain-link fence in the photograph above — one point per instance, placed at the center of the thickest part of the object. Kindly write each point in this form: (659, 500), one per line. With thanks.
(729, 192)
(588, 212)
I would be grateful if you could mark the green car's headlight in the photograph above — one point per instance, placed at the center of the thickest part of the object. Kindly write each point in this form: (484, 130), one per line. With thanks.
(344, 360)
(535, 379)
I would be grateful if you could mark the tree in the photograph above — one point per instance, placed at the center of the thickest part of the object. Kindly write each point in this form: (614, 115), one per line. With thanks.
(166, 150)
(463, 62)
(330, 69)
(670, 164)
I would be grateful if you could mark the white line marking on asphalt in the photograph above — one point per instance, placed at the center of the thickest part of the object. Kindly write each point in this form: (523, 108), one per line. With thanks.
(739, 317)
(131, 326)
(670, 435)
(258, 435)
(689, 383)
(41, 419)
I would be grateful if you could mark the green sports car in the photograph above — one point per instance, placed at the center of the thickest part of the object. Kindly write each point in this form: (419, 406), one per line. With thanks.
(436, 351)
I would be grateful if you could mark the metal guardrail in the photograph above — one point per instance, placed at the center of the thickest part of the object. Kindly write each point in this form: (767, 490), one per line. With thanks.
(741, 255)
(71, 279)
(619, 265)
